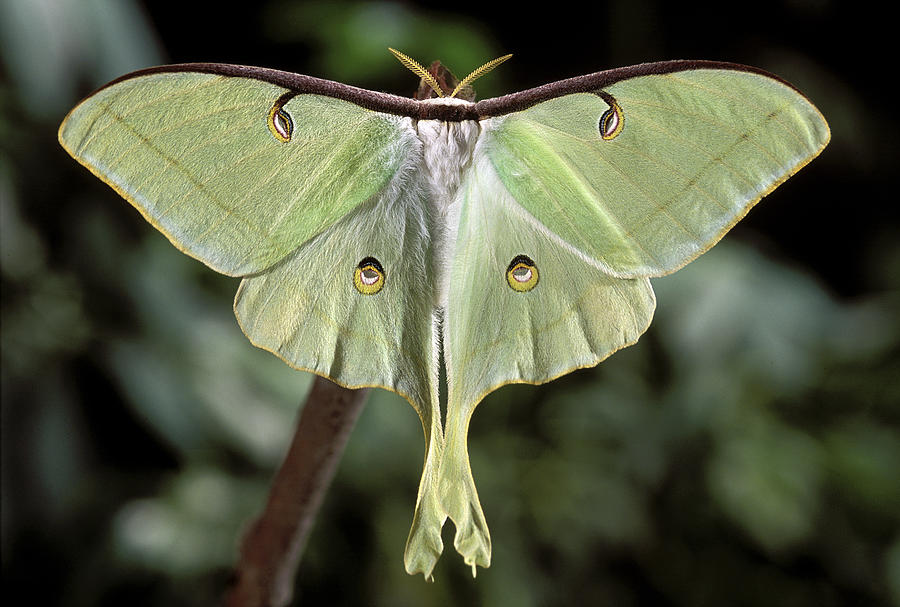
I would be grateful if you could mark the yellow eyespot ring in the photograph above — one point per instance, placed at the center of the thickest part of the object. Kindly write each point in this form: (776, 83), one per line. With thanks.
(612, 120)
(368, 278)
(522, 274)
(280, 124)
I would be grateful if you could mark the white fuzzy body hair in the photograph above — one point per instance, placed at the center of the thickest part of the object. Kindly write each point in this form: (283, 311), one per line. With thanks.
(446, 153)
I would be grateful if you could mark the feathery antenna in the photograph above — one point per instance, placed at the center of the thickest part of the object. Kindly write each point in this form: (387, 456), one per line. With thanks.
(416, 68)
(478, 73)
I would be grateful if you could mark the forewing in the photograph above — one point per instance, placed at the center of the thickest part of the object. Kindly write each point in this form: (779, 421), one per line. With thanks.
(695, 150)
(196, 154)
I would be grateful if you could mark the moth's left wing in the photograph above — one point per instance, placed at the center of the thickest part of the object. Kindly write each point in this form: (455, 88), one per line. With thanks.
(521, 308)
(580, 191)
(642, 169)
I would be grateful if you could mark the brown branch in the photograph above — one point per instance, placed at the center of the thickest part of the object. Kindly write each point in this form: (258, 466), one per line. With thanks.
(270, 551)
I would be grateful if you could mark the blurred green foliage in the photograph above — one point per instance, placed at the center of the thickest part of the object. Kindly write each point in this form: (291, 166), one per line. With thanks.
(745, 452)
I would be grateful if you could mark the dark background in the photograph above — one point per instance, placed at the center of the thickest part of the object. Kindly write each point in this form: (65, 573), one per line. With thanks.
(745, 452)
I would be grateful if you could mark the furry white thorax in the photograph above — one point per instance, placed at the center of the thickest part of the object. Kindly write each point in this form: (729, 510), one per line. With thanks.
(447, 149)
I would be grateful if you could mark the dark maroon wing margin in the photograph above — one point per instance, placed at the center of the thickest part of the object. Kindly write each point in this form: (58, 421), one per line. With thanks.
(405, 106)
(600, 80)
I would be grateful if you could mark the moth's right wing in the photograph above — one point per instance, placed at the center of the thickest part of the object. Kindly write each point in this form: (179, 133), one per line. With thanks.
(313, 198)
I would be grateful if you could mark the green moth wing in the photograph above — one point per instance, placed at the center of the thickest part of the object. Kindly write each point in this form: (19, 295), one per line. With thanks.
(201, 157)
(572, 203)
(540, 311)
(313, 199)
(316, 310)
(685, 156)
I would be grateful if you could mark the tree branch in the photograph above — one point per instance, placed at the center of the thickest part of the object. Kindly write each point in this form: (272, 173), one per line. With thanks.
(271, 548)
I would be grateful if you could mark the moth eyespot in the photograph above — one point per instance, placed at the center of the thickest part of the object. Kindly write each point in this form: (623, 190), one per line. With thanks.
(368, 278)
(612, 121)
(522, 274)
(280, 123)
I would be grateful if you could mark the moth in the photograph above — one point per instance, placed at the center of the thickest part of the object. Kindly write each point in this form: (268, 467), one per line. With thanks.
(379, 237)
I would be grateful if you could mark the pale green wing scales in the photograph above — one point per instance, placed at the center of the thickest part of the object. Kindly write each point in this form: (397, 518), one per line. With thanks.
(686, 156)
(313, 310)
(294, 191)
(554, 314)
(196, 155)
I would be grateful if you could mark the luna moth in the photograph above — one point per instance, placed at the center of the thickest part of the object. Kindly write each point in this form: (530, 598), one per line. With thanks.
(379, 237)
